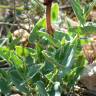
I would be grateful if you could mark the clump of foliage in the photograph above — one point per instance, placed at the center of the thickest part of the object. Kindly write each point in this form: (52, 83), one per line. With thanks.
(53, 65)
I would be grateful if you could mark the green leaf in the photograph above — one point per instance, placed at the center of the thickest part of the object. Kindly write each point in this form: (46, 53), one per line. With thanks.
(68, 62)
(78, 10)
(62, 53)
(4, 53)
(21, 51)
(39, 55)
(60, 38)
(5, 81)
(17, 80)
(49, 58)
(16, 77)
(5, 74)
(55, 12)
(59, 35)
(29, 60)
(75, 74)
(41, 88)
(67, 54)
(88, 8)
(49, 38)
(35, 32)
(47, 68)
(15, 60)
(12, 42)
(33, 74)
(10, 57)
(33, 70)
(70, 59)
(85, 30)
(4, 86)
(40, 24)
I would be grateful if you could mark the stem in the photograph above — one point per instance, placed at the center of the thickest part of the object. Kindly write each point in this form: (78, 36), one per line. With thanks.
(48, 17)
(50, 30)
